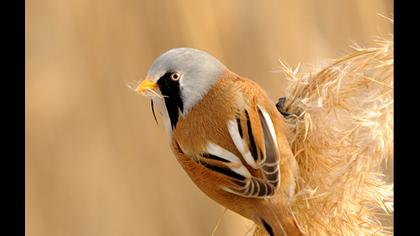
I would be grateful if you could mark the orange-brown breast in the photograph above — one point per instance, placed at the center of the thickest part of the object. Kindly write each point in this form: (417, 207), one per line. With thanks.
(207, 122)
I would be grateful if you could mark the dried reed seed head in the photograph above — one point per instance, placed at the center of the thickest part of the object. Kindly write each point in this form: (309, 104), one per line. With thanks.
(342, 136)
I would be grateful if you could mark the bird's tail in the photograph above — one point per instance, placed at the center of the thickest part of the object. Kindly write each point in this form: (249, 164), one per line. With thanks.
(277, 219)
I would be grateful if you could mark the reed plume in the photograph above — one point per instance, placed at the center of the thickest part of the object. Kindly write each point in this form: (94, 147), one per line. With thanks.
(341, 132)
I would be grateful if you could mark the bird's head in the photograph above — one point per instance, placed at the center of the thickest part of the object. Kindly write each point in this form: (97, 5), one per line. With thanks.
(179, 79)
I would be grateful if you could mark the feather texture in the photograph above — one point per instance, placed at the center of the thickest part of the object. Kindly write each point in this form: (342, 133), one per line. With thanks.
(231, 142)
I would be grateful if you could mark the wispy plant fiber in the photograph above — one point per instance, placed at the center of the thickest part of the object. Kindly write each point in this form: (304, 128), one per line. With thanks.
(341, 132)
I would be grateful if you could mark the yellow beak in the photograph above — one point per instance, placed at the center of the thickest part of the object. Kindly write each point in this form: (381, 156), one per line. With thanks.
(146, 85)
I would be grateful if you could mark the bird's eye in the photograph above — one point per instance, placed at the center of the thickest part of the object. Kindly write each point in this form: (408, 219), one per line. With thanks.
(175, 76)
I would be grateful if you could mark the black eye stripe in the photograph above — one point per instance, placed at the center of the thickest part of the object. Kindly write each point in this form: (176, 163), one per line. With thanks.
(170, 89)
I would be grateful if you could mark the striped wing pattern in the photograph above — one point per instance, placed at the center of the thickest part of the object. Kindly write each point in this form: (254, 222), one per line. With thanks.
(263, 160)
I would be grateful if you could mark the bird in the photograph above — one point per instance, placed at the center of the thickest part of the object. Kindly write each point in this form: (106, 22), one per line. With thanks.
(227, 134)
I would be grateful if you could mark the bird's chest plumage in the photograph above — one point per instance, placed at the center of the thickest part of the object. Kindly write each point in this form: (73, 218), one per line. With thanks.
(226, 134)
(206, 122)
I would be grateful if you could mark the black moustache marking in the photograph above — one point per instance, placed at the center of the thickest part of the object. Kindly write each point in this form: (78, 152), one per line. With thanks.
(170, 89)
(153, 111)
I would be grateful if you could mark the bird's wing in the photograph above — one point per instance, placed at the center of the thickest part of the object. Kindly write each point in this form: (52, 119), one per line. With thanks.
(256, 174)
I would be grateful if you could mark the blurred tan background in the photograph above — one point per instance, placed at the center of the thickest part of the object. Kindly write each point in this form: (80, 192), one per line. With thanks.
(96, 162)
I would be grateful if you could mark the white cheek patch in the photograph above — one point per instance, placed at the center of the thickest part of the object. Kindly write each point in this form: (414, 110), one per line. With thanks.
(195, 84)
(190, 94)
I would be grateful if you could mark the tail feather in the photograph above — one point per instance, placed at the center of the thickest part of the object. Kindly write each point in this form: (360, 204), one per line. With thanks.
(278, 220)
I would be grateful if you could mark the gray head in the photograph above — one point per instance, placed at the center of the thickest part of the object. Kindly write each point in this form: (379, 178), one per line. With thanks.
(182, 76)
